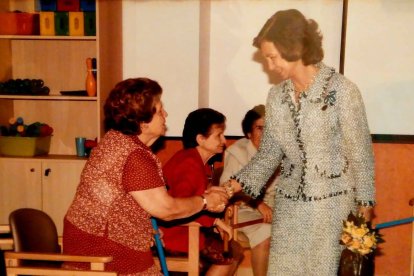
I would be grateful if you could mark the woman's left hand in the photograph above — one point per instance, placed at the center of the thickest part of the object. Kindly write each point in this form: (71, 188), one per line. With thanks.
(366, 212)
(266, 212)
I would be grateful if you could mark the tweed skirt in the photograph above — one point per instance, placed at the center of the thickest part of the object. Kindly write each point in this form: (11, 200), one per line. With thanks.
(305, 235)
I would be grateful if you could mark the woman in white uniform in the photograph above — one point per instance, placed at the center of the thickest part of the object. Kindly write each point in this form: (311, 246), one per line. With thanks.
(236, 157)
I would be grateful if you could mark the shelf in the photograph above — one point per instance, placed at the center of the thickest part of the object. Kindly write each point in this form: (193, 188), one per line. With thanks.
(48, 157)
(39, 37)
(49, 98)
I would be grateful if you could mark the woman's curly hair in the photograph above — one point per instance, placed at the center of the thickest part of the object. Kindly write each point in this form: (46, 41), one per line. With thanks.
(130, 103)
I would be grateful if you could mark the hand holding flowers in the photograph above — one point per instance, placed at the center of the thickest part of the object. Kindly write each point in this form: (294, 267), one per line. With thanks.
(357, 235)
(360, 242)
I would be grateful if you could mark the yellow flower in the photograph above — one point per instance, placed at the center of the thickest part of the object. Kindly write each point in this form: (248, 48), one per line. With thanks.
(359, 232)
(369, 241)
(355, 245)
(346, 238)
(364, 251)
(349, 225)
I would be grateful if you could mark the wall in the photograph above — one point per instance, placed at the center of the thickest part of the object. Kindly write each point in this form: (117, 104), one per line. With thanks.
(201, 51)
(394, 184)
(379, 57)
(161, 42)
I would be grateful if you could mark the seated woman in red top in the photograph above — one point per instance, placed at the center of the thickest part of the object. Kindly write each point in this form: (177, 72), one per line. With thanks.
(186, 174)
(122, 185)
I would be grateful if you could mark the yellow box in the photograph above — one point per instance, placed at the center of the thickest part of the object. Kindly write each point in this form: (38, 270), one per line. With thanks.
(24, 146)
(47, 23)
(76, 24)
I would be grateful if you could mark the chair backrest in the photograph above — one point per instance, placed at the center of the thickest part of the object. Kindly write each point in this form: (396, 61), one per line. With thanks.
(33, 231)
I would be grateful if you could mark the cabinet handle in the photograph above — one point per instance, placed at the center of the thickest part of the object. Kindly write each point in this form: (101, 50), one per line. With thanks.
(32, 170)
(47, 171)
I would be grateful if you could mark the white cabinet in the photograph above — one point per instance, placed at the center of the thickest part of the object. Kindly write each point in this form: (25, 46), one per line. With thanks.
(47, 184)
(20, 186)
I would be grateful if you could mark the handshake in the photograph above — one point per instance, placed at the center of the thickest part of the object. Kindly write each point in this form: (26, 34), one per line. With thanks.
(217, 197)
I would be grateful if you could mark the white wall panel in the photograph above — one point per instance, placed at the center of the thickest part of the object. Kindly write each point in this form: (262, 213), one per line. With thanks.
(379, 58)
(161, 42)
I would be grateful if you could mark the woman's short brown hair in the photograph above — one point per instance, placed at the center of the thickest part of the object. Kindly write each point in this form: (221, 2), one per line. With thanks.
(130, 103)
(293, 35)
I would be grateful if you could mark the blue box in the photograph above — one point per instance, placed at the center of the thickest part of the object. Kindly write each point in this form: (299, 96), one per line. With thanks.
(46, 5)
(87, 5)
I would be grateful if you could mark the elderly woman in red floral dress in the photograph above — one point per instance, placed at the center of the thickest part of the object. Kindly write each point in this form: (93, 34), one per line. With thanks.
(122, 185)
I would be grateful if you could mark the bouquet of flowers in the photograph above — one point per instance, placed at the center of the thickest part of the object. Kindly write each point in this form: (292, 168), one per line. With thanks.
(360, 242)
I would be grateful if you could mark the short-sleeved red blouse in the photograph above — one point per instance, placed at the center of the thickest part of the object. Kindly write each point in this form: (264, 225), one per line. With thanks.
(104, 219)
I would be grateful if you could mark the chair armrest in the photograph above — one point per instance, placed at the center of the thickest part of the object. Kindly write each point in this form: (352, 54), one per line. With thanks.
(191, 224)
(4, 228)
(97, 262)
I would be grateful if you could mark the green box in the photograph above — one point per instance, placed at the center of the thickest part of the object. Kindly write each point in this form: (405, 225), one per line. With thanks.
(24, 146)
(89, 23)
(62, 23)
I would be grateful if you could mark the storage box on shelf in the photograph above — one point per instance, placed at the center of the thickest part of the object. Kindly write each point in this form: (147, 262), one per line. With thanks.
(24, 146)
(19, 23)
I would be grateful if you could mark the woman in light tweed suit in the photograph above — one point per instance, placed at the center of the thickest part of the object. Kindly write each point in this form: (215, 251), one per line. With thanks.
(316, 128)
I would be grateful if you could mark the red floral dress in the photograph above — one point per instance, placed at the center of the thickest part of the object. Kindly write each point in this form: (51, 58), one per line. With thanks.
(104, 219)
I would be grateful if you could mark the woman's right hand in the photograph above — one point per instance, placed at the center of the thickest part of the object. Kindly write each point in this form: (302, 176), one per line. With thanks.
(217, 199)
(266, 212)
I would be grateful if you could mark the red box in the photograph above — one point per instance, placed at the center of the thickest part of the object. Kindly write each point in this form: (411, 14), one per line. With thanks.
(19, 23)
(68, 5)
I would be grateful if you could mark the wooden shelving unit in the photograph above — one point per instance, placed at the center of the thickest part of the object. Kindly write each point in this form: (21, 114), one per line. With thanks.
(60, 61)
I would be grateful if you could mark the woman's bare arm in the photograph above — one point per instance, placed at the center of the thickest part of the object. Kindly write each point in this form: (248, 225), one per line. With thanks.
(158, 203)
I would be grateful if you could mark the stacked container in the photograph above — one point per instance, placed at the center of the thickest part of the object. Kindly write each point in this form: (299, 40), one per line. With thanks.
(67, 17)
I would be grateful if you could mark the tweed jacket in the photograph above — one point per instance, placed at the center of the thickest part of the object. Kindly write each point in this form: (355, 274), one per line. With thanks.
(322, 142)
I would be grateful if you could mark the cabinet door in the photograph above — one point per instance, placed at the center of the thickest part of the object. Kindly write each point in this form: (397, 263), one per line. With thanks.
(20, 186)
(60, 180)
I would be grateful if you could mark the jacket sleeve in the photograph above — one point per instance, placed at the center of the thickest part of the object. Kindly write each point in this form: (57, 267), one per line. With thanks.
(358, 143)
(254, 176)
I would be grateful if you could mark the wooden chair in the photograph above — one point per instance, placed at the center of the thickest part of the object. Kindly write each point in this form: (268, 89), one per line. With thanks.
(231, 218)
(37, 250)
(191, 263)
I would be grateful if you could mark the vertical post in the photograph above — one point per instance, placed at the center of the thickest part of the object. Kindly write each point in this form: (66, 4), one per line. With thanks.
(411, 203)
(160, 249)
(343, 36)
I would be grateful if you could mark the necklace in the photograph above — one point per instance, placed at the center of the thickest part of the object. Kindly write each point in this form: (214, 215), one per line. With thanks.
(299, 92)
